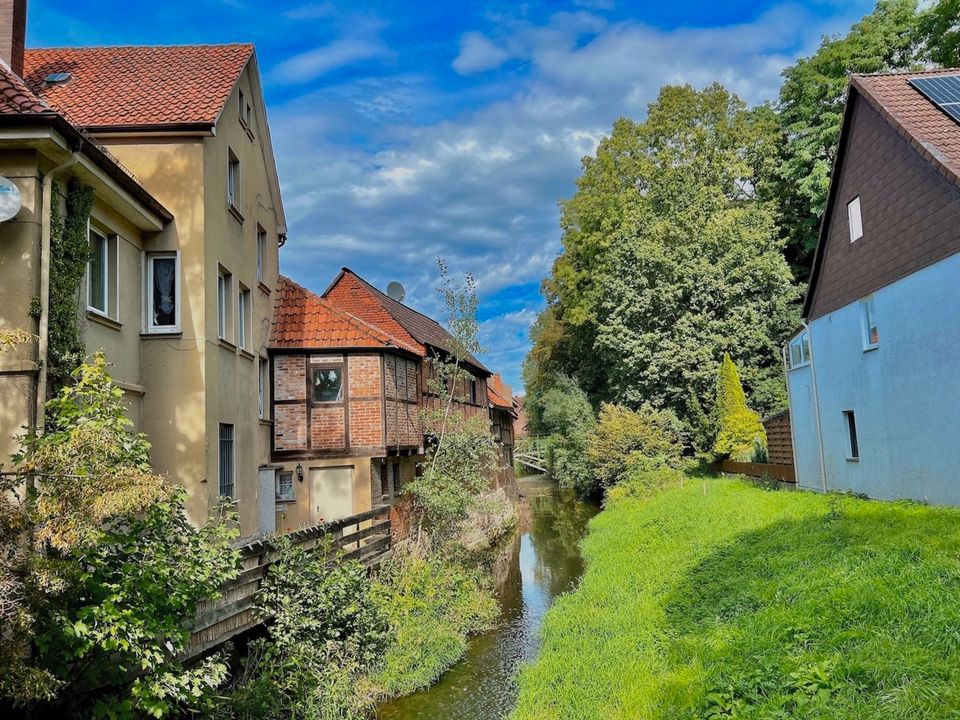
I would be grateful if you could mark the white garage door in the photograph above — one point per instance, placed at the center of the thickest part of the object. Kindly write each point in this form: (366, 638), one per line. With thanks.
(331, 493)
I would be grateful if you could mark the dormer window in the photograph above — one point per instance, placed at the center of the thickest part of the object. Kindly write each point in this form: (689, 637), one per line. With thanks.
(855, 219)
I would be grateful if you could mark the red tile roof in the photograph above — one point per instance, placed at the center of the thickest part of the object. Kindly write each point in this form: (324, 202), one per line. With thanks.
(499, 393)
(302, 319)
(358, 297)
(931, 131)
(118, 87)
(18, 99)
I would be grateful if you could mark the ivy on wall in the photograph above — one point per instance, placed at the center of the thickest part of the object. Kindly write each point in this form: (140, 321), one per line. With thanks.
(69, 253)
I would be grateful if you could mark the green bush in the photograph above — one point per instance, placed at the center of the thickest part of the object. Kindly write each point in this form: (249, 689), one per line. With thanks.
(625, 441)
(739, 428)
(433, 605)
(643, 483)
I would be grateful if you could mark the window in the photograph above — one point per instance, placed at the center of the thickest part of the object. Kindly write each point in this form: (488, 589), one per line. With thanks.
(98, 273)
(243, 318)
(855, 219)
(397, 481)
(248, 116)
(384, 480)
(327, 384)
(261, 251)
(285, 487)
(233, 180)
(473, 391)
(226, 461)
(242, 106)
(263, 380)
(871, 334)
(224, 305)
(852, 431)
(162, 307)
(800, 350)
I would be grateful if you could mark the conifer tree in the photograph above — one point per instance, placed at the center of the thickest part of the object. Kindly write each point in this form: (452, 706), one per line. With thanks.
(739, 427)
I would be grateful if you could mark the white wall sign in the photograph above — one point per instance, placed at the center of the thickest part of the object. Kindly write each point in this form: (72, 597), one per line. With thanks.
(9, 199)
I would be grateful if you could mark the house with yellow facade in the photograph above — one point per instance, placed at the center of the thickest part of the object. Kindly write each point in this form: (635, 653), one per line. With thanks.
(183, 234)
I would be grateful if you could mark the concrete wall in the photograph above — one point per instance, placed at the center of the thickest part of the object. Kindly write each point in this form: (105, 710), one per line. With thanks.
(905, 394)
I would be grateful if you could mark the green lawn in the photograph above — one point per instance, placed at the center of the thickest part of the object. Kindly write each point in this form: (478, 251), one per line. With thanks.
(724, 600)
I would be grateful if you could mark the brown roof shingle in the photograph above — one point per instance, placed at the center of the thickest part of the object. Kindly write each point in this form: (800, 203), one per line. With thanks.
(18, 99)
(135, 86)
(302, 319)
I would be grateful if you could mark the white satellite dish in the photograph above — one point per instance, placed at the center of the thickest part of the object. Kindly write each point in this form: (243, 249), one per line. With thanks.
(9, 199)
(395, 291)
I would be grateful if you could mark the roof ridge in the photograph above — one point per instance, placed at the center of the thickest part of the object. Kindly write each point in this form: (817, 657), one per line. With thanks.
(897, 73)
(144, 46)
(382, 294)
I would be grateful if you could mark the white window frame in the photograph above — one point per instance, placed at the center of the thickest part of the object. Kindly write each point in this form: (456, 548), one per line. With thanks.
(261, 251)
(148, 326)
(800, 343)
(868, 311)
(224, 294)
(105, 312)
(283, 497)
(855, 219)
(243, 317)
(233, 179)
(263, 381)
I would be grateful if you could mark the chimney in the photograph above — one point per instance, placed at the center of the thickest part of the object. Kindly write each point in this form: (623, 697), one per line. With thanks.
(13, 33)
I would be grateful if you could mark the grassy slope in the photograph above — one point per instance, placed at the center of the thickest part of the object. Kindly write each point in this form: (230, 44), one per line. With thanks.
(755, 604)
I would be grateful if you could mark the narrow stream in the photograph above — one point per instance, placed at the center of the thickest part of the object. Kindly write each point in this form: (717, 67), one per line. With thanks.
(543, 562)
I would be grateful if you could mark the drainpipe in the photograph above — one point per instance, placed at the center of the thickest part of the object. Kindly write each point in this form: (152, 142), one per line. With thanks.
(816, 405)
(45, 230)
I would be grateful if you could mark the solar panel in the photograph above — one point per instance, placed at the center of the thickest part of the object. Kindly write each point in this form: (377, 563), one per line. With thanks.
(943, 91)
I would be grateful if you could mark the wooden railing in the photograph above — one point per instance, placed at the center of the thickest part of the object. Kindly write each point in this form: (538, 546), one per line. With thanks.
(364, 537)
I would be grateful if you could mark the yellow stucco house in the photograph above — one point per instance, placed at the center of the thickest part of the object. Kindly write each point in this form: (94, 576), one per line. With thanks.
(184, 234)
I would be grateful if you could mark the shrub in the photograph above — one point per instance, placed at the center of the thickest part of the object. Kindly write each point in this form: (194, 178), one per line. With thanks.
(626, 441)
(433, 605)
(739, 428)
(643, 483)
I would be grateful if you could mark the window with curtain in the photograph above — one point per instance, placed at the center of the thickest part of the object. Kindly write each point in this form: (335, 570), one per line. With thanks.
(328, 384)
(162, 292)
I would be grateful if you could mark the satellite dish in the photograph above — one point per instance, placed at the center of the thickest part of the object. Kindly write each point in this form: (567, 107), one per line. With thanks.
(9, 199)
(395, 291)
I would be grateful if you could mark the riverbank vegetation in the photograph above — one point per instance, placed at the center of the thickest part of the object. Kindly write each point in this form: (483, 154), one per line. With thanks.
(714, 598)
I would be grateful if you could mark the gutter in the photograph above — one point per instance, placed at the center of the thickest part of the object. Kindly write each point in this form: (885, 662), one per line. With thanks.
(816, 405)
(45, 230)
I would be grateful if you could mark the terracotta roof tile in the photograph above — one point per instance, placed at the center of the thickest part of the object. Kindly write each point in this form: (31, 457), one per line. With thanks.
(18, 99)
(136, 86)
(357, 296)
(302, 319)
(934, 134)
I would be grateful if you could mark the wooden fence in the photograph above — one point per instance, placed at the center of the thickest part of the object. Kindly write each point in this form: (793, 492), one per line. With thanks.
(364, 537)
(779, 439)
(784, 473)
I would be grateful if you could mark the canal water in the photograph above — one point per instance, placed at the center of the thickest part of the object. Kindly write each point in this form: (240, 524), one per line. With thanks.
(543, 562)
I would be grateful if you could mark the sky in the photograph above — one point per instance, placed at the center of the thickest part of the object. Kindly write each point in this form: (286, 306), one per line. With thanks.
(407, 131)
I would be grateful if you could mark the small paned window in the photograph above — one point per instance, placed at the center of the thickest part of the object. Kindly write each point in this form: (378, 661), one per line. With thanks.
(871, 333)
(855, 219)
(285, 487)
(327, 385)
(851, 421)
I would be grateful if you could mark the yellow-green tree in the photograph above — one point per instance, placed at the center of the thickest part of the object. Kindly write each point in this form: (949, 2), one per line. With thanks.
(739, 427)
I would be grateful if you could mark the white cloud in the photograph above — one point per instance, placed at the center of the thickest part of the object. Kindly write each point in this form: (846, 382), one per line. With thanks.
(478, 54)
(480, 187)
(314, 63)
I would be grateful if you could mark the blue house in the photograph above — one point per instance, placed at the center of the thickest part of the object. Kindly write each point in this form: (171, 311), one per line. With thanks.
(874, 375)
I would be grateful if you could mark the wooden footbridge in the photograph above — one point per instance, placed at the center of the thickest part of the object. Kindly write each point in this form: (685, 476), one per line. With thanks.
(365, 537)
(533, 454)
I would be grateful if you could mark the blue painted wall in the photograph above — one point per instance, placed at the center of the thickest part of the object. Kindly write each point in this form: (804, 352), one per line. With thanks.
(905, 393)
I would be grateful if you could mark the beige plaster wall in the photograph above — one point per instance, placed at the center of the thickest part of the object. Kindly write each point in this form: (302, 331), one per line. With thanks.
(296, 514)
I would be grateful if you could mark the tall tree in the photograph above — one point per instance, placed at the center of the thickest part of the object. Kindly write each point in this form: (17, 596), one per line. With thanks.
(811, 110)
(940, 33)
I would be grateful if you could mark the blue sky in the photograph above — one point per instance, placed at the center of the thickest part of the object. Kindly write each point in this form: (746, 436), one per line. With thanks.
(410, 130)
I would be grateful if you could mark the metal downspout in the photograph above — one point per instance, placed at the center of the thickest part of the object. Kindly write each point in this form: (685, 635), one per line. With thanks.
(45, 231)
(816, 404)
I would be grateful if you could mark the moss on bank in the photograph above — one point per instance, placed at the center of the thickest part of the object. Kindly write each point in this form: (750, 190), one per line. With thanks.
(719, 599)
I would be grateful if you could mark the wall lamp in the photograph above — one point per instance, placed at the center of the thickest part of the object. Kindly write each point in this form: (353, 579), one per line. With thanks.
(299, 472)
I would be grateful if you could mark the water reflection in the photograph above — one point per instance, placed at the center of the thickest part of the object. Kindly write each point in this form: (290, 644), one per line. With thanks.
(542, 562)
